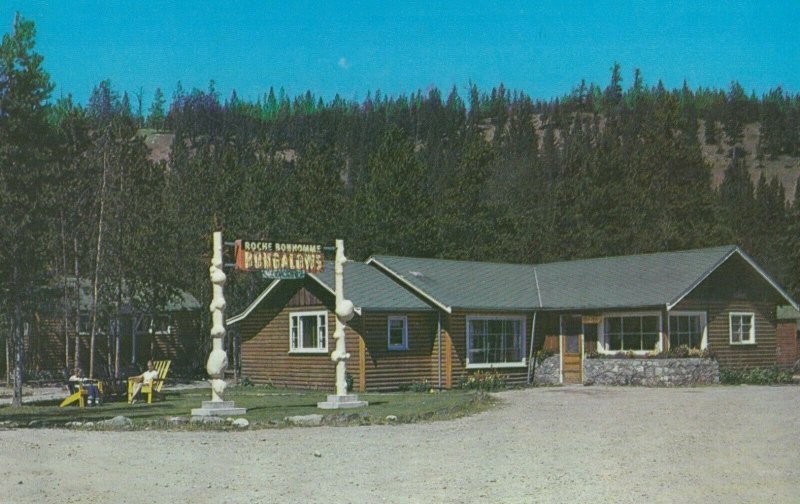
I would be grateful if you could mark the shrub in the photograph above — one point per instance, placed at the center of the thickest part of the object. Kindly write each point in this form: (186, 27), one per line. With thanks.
(754, 376)
(542, 355)
(423, 386)
(483, 380)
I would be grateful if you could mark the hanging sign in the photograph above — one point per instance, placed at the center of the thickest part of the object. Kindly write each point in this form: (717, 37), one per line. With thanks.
(278, 259)
(283, 274)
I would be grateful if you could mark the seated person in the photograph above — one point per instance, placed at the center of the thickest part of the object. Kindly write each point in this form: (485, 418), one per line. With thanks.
(146, 378)
(92, 393)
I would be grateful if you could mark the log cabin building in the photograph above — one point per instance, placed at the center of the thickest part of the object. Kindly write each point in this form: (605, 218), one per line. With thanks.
(286, 332)
(437, 320)
(173, 332)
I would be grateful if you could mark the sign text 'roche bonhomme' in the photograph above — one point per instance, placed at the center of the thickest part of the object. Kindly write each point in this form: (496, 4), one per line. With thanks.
(278, 256)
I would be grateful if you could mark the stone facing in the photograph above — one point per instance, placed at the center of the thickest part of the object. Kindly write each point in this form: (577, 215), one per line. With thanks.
(651, 372)
(548, 372)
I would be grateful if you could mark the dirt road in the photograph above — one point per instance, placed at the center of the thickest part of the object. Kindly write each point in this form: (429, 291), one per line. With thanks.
(582, 444)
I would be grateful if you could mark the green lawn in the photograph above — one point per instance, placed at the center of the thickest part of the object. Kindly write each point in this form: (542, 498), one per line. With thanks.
(265, 408)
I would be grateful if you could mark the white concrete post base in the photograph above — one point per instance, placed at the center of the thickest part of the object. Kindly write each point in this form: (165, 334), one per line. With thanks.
(218, 408)
(342, 402)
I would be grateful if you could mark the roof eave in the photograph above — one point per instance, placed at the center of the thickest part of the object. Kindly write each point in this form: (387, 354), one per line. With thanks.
(749, 261)
(408, 284)
(325, 286)
(671, 304)
(256, 302)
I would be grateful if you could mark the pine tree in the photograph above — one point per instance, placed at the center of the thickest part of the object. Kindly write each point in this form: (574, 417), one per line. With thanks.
(392, 203)
(156, 117)
(737, 204)
(25, 182)
(735, 114)
(792, 245)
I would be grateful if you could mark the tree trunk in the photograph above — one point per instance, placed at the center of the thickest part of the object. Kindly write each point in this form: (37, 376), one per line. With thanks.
(97, 257)
(66, 295)
(19, 348)
(8, 360)
(77, 354)
(117, 335)
(117, 346)
(8, 355)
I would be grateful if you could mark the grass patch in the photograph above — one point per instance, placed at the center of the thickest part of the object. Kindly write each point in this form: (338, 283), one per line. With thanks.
(265, 408)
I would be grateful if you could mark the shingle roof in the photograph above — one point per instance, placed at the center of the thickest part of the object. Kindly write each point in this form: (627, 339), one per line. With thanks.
(466, 284)
(182, 301)
(644, 280)
(369, 289)
(635, 281)
(627, 281)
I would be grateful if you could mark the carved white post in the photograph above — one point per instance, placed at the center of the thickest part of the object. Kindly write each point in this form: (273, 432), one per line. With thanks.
(344, 312)
(218, 359)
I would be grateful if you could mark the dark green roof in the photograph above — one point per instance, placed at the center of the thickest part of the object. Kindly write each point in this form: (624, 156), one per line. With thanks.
(466, 284)
(369, 289)
(787, 313)
(645, 280)
(627, 281)
(182, 301)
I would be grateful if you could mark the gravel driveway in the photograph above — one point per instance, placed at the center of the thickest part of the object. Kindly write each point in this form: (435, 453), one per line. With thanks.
(570, 444)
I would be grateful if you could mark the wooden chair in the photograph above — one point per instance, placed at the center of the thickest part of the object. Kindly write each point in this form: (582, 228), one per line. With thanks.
(151, 388)
(78, 394)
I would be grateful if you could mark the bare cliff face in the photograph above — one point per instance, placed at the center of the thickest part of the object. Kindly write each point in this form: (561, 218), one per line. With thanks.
(159, 143)
(785, 168)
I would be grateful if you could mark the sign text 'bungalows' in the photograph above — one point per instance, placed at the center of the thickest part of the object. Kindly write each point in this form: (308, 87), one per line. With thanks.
(277, 259)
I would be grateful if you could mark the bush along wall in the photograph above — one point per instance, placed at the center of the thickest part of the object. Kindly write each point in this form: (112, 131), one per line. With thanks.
(651, 372)
(755, 376)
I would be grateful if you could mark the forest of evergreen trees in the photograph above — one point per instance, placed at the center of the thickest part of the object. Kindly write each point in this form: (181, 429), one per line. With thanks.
(468, 174)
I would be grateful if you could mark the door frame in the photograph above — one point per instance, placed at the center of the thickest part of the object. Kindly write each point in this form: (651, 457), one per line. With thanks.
(562, 345)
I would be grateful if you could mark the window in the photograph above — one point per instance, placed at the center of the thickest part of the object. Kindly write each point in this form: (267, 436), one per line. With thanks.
(162, 324)
(571, 329)
(308, 332)
(632, 332)
(743, 331)
(397, 328)
(84, 323)
(687, 329)
(493, 341)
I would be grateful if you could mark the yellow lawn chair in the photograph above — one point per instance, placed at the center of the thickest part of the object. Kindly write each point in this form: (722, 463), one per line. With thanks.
(79, 393)
(149, 388)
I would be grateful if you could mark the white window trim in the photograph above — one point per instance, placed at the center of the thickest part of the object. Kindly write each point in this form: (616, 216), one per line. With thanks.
(521, 363)
(315, 313)
(402, 346)
(752, 340)
(602, 346)
(703, 322)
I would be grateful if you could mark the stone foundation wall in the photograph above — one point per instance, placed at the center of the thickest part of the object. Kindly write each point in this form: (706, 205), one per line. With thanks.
(548, 372)
(651, 372)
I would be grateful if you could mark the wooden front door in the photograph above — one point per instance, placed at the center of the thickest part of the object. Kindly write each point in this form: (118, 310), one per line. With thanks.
(571, 349)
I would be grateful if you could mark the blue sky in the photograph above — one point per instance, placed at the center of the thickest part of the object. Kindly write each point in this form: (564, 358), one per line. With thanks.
(543, 48)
